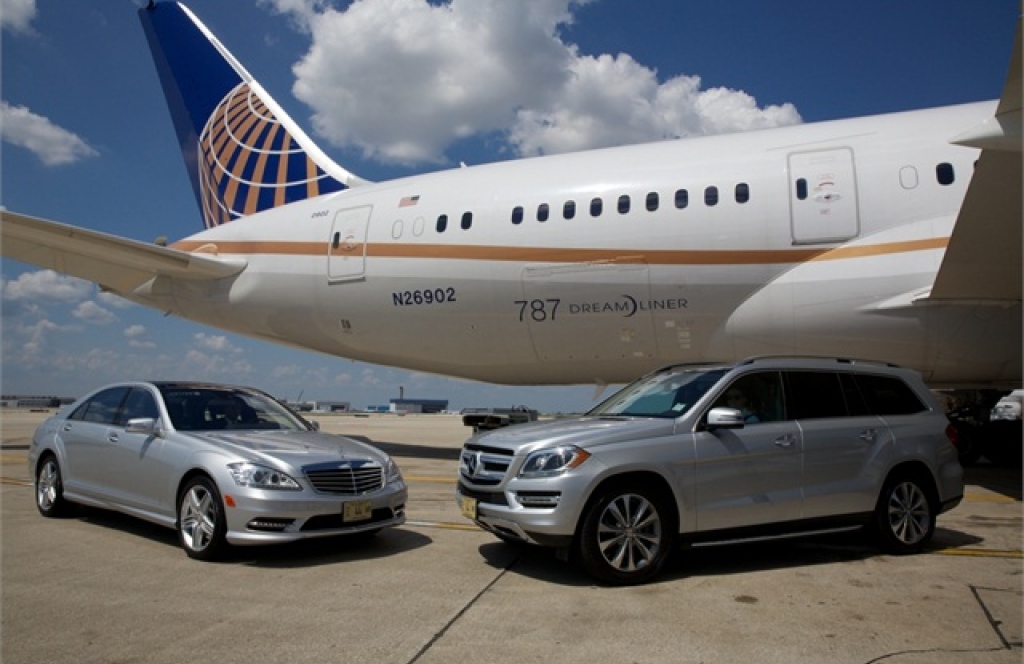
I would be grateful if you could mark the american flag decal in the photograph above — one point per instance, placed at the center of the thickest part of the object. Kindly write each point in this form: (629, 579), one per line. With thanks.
(409, 201)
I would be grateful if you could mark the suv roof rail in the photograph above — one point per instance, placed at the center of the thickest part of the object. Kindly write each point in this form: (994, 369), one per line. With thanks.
(841, 360)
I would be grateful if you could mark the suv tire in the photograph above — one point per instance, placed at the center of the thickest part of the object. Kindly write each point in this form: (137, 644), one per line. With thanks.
(627, 534)
(905, 515)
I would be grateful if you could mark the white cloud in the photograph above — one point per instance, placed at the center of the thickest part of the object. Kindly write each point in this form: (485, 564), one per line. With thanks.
(217, 343)
(90, 312)
(46, 285)
(115, 301)
(135, 334)
(53, 145)
(16, 15)
(402, 80)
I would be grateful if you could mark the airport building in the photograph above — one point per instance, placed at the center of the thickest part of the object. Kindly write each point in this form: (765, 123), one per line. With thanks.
(418, 405)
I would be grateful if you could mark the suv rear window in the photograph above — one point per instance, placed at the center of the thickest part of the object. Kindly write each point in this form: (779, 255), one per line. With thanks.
(889, 396)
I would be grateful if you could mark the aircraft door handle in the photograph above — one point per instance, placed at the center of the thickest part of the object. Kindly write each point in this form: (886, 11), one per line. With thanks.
(785, 441)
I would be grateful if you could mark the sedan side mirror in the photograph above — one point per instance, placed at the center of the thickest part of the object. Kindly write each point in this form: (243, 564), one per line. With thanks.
(725, 418)
(145, 425)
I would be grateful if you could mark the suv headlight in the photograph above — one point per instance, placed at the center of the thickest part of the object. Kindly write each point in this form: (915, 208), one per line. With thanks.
(261, 477)
(549, 463)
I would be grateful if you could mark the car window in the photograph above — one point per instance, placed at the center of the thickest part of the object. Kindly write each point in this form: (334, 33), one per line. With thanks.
(758, 397)
(140, 403)
(667, 394)
(102, 408)
(887, 395)
(815, 394)
(211, 408)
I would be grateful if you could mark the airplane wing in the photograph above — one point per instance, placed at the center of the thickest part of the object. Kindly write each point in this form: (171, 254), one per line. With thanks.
(983, 259)
(117, 264)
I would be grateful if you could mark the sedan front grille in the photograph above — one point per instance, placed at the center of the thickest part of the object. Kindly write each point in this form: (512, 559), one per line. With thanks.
(346, 478)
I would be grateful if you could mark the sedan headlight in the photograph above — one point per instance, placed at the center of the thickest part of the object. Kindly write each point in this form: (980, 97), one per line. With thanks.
(549, 463)
(261, 477)
(391, 472)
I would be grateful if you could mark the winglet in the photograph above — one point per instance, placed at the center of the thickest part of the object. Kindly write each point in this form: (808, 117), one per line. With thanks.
(242, 151)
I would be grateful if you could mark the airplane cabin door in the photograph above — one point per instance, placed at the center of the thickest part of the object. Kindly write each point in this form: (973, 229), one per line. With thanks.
(823, 196)
(346, 248)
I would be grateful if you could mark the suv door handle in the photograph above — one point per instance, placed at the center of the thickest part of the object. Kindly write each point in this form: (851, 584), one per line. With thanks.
(868, 435)
(785, 441)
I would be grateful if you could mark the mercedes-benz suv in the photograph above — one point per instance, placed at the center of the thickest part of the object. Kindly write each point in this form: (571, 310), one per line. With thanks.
(706, 454)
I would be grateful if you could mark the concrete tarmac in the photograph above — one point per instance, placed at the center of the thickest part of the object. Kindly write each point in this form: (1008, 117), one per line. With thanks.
(101, 587)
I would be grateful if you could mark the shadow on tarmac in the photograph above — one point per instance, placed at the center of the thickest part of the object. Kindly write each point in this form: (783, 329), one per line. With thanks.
(304, 553)
(999, 479)
(542, 564)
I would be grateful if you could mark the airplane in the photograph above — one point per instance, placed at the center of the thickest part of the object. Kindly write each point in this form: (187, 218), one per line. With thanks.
(894, 237)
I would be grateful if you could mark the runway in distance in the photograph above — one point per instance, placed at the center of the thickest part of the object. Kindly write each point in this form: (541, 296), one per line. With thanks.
(893, 238)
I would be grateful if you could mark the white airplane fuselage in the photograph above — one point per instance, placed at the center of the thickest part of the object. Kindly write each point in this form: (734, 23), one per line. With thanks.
(820, 241)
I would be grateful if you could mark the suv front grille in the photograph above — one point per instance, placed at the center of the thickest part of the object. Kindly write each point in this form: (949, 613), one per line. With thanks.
(346, 478)
(484, 466)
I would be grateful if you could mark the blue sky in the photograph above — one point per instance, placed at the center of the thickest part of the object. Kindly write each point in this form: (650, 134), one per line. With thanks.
(87, 138)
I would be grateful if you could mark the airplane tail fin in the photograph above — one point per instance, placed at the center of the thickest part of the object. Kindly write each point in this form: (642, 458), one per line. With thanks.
(242, 151)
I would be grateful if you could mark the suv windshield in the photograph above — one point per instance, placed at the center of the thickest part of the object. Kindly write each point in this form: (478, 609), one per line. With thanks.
(669, 393)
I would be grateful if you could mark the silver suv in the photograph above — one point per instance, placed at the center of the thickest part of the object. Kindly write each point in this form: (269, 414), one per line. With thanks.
(708, 454)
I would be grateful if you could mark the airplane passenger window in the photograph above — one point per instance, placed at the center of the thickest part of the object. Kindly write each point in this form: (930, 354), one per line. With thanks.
(442, 223)
(652, 201)
(623, 204)
(742, 192)
(682, 198)
(711, 196)
(542, 212)
(596, 205)
(944, 174)
(569, 209)
(467, 220)
(517, 215)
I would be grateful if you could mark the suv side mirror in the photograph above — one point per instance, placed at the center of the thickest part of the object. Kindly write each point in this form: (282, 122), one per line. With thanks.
(725, 418)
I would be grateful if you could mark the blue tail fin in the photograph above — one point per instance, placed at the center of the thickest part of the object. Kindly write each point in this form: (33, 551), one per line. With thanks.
(242, 151)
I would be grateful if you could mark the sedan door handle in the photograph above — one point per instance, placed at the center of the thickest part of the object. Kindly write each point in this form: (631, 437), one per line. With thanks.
(112, 437)
(785, 441)
(868, 435)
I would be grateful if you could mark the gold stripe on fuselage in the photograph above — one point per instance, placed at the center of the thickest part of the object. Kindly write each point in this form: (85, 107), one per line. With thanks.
(568, 255)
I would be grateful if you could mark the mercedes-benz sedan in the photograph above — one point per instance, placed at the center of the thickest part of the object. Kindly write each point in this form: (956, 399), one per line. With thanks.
(222, 465)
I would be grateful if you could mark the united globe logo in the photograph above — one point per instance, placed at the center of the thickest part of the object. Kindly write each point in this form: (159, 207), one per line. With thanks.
(248, 161)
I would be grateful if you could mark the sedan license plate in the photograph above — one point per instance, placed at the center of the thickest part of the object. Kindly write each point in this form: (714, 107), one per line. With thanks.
(357, 510)
(468, 506)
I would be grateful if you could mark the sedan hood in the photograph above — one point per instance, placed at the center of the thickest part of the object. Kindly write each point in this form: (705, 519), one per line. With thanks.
(297, 447)
(586, 432)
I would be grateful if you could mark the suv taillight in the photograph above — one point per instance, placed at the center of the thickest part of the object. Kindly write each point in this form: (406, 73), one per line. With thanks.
(953, 435)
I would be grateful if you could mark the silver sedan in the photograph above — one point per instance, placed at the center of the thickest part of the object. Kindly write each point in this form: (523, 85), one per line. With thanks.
(222, 465)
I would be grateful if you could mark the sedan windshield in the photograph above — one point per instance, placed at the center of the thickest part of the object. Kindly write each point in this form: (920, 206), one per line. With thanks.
(212, 408)
(669, 393)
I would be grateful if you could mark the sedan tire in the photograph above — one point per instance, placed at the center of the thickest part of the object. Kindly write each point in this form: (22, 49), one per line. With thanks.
(905, 515)
(201, 522)
(627, 535)
(50, 488)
